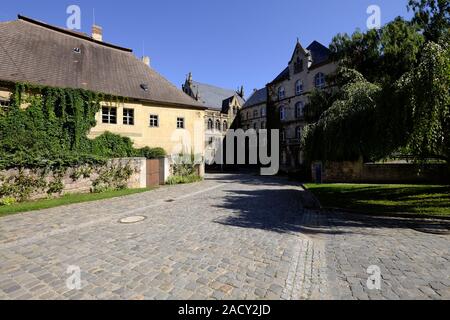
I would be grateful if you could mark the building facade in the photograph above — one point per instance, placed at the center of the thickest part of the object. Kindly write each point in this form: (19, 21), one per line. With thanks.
(222, 108)
(254, 112)
(153, 112)
(288, 94)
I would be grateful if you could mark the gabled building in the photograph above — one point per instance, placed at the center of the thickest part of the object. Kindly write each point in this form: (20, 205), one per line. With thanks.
(307, 70)
(254, 113)
(153, 112)
(222, 108)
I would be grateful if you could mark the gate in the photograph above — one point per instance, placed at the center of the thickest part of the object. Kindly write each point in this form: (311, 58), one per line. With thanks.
(154, 173)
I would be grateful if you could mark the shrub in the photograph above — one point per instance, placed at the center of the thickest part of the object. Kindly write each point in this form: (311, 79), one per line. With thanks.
(151, 153)
(173, 180)
(8, 201)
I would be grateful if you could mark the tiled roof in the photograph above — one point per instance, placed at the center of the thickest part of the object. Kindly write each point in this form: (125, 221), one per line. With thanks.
(259, 97)
(33, 52)
(319, 53)
(282, 76)
(213, 97)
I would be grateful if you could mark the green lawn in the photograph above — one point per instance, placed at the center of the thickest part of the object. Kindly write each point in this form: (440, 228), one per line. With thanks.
(385, 199)
(65, 200)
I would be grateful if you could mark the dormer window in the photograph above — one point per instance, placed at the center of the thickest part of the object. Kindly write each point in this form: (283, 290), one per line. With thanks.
(298, 66)
(77, 50)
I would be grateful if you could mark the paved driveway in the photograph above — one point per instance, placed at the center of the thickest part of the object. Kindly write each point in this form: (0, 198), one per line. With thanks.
(229, 237)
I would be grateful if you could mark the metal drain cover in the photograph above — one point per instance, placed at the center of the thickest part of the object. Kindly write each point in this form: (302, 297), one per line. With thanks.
(134, 219)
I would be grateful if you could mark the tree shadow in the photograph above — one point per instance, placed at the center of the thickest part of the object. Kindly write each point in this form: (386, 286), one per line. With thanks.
(282, 211)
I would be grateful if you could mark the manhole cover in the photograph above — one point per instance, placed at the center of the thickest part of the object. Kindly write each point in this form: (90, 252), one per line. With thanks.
(134, 219)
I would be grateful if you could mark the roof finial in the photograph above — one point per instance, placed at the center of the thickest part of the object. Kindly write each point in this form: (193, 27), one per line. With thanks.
(189, 79)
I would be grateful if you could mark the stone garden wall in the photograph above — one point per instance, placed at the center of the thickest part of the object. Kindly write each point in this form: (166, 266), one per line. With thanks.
(35, 184)
(359, 172)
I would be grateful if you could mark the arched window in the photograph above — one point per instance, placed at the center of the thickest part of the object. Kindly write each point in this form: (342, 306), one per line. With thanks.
(225, 126)
(218, 125)
(298, 133)
(235, 110)
(281, 93)
(299, 87)
(319, 80)
(299, 110)
(210, 124)
(282, 113)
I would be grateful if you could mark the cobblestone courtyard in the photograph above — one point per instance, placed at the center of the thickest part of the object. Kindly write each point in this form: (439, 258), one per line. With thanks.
(229, 237)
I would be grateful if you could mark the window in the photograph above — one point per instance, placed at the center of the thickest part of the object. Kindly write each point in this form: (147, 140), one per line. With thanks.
(263, 125)
(109, 115)
(299, 110)
(248, 115)
(5, 104)
(299, 87)
(210, 124)
(263, 112)
(225, 126)
(298, 66)
(218, 125)
(255, 113)
(319, 80)
(281, 93)
(235, 110)
(282, 135)
(298, 133)
(154, 121)
(128, 117)
(180, 123)
(283, 113)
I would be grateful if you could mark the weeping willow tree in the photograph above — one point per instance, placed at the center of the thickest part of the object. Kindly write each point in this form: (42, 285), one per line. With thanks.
(428, 89)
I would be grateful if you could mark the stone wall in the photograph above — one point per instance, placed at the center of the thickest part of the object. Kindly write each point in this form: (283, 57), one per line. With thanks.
(359, 172)
(81, 179)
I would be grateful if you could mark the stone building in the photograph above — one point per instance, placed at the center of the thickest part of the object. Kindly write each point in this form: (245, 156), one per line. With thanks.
(254, 112)
(222, 108)
(288, 94)
(153, 112)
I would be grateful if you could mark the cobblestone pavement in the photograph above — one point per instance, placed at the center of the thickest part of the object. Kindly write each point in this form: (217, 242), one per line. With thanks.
(229, 237)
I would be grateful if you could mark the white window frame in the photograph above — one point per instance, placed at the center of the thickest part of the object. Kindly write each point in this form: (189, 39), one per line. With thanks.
(154, 121)
(181, 123)
(107, 118)
(128, 119)
(299, 89)
(281, 93)
(299, 110)
(319, 80)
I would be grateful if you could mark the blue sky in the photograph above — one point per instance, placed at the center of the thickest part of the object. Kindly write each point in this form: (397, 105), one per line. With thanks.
(226, 43)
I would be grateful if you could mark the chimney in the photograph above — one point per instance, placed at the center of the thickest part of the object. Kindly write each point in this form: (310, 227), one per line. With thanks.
(146, 60)
(97, 33)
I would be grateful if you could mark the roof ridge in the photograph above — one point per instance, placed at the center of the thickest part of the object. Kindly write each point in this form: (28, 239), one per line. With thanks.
(71, 33)
(214, 86)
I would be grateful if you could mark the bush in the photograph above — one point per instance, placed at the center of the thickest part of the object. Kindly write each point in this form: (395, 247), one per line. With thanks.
(173, 180)
(151, 153)
(8, 201)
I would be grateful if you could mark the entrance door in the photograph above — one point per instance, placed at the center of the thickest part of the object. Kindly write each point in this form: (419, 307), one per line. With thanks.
(318, 173)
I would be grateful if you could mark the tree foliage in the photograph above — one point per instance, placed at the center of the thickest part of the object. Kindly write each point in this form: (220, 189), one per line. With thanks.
(433, 17)
(428, 88)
